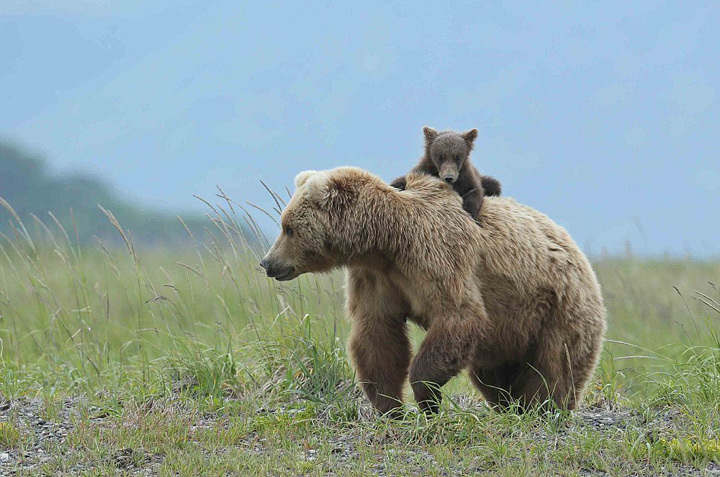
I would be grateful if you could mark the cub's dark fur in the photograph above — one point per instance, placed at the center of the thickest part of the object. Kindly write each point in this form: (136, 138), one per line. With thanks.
(447, 156)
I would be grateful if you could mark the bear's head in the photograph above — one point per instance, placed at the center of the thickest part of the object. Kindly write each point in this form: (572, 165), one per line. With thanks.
(317, 223)
(449, 151)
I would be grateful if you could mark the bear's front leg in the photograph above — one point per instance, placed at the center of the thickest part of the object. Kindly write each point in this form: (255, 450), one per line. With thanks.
(472, 201)
(446, 350)
(379, 345)
(380, 350)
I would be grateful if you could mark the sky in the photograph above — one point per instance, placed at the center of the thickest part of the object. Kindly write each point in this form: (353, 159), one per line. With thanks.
(603, 115)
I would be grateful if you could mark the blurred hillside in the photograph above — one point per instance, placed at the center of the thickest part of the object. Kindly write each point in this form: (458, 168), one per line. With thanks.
(30, 188)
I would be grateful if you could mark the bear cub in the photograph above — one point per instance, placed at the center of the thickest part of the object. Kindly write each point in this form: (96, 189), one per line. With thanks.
(447, 156)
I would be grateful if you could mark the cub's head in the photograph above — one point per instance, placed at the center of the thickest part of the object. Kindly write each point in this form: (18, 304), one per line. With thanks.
(448, 150)
(314, 222)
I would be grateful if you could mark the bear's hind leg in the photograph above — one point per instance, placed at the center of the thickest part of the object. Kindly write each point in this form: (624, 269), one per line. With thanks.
(495, 383)
(540, 389)
(560, 371)
(547, 381)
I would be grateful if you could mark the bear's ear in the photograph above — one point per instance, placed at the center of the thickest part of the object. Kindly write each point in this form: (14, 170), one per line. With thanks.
(302, 178)
(314, 185)
(339, 194)
(470, 136)
(430, 134)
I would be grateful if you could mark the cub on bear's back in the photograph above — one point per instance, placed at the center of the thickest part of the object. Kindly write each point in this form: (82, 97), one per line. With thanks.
(447, 156)
(514, 302)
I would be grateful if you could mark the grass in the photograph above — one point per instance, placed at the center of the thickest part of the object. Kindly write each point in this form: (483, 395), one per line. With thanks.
(117, 359)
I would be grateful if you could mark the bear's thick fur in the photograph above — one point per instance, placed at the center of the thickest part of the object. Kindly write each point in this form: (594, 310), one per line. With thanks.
(515, 302)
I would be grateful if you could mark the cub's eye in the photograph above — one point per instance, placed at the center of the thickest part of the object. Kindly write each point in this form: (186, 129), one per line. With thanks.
(457, 158)
(440, 158)
(289, 231)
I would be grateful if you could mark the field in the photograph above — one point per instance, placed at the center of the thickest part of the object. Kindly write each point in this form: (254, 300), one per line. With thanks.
(117, 359)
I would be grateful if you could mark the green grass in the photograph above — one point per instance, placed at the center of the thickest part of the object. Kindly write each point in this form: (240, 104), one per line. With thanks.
(189, 363)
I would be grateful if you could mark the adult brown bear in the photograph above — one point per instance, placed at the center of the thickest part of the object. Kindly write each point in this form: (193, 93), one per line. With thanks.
(515, 302)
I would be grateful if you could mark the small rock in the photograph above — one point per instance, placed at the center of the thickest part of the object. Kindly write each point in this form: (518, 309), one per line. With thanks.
(4, 457)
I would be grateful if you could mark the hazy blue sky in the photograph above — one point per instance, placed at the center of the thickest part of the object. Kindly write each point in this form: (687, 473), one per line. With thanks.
(604, 115)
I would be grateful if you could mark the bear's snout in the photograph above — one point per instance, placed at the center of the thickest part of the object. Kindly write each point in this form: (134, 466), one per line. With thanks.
(449, 179)
(277, 271)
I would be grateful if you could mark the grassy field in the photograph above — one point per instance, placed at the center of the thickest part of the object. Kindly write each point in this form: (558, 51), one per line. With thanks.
(124, 360)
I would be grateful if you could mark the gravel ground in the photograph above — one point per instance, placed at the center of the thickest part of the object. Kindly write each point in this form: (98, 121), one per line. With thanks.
(39, 436)
(44, 439)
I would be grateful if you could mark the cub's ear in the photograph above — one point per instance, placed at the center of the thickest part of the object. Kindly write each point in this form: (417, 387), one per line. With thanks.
(302, 178)
(470, 136)
(430, 134)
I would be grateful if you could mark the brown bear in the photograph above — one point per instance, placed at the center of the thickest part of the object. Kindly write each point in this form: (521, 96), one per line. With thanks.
(514, 302)
(447, 156)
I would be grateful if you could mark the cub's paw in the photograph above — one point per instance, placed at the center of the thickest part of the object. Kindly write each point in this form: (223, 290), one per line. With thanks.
(400, 183)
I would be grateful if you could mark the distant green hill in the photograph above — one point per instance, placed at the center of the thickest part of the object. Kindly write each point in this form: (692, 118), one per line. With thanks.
(30, 189)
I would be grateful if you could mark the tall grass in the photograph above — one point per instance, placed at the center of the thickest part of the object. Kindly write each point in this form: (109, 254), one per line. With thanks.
(206, 321)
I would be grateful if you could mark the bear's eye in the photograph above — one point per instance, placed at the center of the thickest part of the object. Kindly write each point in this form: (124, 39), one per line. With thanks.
(440, 158)
(289, 231)
(457, 158)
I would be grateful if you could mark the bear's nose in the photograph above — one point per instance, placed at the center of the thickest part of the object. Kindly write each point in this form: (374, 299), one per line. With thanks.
(449, 179)
(264, 263)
